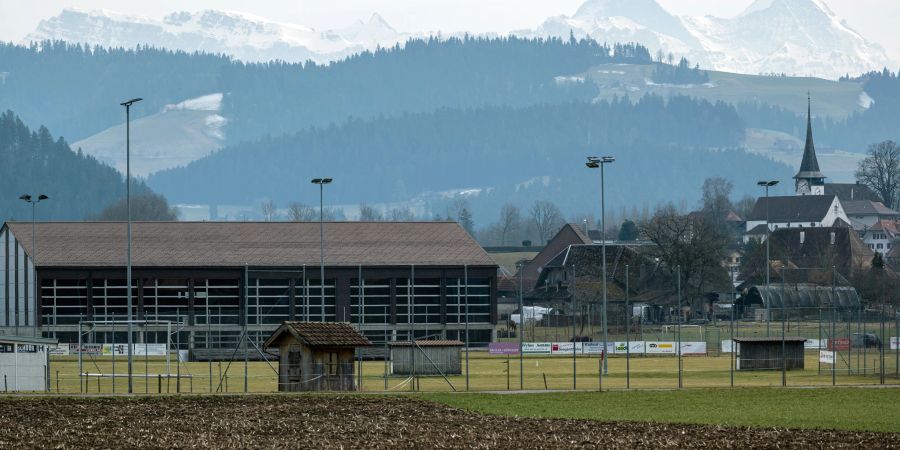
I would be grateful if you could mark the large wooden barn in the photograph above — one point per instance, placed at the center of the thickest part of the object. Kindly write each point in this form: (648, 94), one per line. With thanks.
(217, 278)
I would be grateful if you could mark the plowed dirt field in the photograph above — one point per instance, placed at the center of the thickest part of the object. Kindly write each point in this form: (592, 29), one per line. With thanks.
(356, 421)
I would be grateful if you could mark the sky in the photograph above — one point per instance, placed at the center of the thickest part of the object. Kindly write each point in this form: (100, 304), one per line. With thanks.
(874, 19)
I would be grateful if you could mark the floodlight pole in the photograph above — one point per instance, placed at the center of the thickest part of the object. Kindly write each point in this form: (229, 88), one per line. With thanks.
(767, 184)
(322, 182)
(34, 201)
(594, 162)
(521, 323)
(127, 105)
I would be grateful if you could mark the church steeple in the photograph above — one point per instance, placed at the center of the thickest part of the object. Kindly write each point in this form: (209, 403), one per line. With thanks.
(809, 179)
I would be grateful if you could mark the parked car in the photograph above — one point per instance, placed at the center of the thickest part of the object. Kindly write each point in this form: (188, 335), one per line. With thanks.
(865, 340)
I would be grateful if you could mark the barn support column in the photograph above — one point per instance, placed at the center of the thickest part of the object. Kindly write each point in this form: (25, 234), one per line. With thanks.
(89, 302)
(292, 299)
(393, 310)
(443, 304)
(342, 298)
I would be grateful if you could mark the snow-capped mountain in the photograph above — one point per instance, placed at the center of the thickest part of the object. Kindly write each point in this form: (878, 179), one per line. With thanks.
(243, 36)
(796, 37)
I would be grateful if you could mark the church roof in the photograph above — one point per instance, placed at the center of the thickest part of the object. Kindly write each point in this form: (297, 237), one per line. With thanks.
(809, 167)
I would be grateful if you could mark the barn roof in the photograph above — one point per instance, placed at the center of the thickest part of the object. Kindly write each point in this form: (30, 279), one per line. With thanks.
(235, 244)
(769, 339)
(429, 343)
(319, 334)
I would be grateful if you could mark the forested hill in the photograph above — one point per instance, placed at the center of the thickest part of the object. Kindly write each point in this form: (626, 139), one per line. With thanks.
(664, 148)
(33, 162)
(420, 76)
(75, 90)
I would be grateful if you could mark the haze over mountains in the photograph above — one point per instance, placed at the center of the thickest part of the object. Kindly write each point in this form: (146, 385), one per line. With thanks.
(433, 120)
(795, 37)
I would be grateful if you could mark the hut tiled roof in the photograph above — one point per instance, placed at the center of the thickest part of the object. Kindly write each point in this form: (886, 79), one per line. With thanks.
(321, 334)
(234, 244)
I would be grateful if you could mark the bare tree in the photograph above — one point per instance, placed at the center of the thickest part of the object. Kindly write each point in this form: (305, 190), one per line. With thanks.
(691, 242)
(369, 214)
(880, 170)
(299, 212)
(547, 219)
(745, 206)
(659, 56)
(510, 222)
(403, 214)
(671, 59)
(269, 210)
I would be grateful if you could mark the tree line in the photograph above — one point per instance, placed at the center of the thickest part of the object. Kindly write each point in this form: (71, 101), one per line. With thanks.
(78, 186)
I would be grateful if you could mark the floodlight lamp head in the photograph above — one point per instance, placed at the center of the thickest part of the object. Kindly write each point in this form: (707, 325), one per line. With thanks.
(593, 162)
(25, 197)
(327, 180)
(317, 181)
(773, 182)
(607, 159)
(128, 103)
(42, 197)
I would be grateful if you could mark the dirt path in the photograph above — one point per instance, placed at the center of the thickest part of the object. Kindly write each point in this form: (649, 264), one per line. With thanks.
(352, 421)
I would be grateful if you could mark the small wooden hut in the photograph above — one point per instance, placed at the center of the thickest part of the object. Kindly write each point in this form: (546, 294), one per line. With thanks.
(315, 356)
(765, 353)
(426, 357)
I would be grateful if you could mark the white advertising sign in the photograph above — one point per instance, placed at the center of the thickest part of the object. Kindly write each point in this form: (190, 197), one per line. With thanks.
(665, 348)
(149, 349)
(59, 350)
(592, 348)
(894, 342)
(727, 346)
(826, 357)
(813, 344)
(633, 347)
(564, 348)
(693, 348)
(536, 348)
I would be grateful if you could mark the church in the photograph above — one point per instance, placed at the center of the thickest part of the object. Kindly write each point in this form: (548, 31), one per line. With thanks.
(816, 204)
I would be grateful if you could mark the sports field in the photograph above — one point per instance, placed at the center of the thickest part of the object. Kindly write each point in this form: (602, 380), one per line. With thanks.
(486, 373)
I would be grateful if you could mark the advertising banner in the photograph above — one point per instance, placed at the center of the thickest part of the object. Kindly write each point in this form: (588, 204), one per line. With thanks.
(813, 344)
(536, 348)
(503, 348)
(564, 348)
(693, 348)
(149, 349)
(624, 348)
(86, 349)
(660, 348)
(592, 348)
(894, 342)
(826, 357)
(841, 344)
(727, 346)
(59, 350)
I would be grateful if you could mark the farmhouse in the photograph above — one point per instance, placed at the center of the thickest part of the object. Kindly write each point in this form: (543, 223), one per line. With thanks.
(216, 278)
(315, 356)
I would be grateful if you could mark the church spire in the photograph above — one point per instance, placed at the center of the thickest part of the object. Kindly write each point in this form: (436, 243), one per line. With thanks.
(809, 179)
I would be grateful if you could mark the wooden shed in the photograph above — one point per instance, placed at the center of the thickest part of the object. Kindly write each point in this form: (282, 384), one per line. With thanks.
(765, 353)
(315, 356)
(426, 357)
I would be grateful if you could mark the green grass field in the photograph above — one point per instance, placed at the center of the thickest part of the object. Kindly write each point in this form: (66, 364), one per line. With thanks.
(486, 373)
(842, 409)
